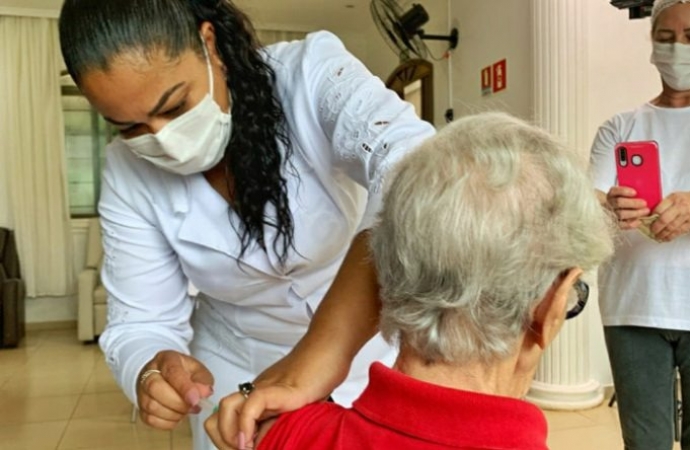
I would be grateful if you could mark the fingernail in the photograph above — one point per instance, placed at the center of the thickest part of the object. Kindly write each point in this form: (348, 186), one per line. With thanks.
(241, 440)
(211, 389)
(193, 397)
(195, 409)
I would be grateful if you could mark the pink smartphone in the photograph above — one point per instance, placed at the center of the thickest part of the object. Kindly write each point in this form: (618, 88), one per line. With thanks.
(637, 166)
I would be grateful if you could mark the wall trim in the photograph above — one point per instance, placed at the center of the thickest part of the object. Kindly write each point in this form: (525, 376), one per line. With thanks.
(29, 12)
(51, 309)
(267, 26)
(57, 325)
(558, 397)
(80, 224)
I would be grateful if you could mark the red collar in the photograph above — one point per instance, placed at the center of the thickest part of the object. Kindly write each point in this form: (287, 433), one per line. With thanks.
(449, 416)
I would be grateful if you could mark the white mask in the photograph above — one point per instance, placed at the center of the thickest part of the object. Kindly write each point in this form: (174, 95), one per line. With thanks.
(193, 142)
(673, 62)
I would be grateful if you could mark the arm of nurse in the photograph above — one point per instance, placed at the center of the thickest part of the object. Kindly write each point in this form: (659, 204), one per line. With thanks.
(148, 307)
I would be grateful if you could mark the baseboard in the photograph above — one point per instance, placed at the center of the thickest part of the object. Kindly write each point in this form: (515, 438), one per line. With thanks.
(51, 309)
(56, 325)
(608, 391)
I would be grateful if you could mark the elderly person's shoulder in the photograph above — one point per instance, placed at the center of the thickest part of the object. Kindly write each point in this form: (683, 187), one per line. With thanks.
(382, 418)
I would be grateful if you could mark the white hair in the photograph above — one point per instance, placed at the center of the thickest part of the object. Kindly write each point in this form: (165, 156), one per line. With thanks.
(476, 226)
(660, 6)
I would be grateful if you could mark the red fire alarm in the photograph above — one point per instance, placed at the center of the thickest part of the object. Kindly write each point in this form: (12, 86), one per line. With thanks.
(500, 80)
(487, 82)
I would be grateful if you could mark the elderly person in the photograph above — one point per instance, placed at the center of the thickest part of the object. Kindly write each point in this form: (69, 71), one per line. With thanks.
(484, 234)
(644, 290)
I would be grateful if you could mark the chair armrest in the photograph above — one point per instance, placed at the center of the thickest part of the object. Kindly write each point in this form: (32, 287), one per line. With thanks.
(88, 280)
(12, 311)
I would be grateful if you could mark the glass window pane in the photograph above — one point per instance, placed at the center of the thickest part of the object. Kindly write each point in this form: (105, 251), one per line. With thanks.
(86, 137)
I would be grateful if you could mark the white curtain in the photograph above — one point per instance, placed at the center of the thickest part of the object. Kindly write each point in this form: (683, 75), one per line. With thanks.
(33, 186)
(268, 37)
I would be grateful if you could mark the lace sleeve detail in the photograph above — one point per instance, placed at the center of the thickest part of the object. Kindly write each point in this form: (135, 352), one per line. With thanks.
(369, 126)
(148, 305)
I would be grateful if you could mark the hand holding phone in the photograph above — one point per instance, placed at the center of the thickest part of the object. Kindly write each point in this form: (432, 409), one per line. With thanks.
(637, 166)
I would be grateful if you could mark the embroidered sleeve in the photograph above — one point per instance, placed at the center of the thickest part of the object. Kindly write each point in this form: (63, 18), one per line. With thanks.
(369, 126)
(148, 305)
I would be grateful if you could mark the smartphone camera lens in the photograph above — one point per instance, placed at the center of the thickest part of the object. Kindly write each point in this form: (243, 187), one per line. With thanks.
(623, 156)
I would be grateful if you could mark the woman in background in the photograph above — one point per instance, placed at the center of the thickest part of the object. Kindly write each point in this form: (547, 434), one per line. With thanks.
(644, 291)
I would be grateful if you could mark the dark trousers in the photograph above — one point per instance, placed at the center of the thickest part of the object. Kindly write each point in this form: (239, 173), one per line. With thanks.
(643, 362)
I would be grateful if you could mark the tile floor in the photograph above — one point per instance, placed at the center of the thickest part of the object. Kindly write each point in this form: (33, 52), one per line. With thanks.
(57, 394)
(594, 429)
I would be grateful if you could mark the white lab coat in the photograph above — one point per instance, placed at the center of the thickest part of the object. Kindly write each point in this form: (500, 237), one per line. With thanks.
(163, 231)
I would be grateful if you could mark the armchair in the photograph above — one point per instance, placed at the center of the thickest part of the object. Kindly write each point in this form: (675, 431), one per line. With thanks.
(12, 292)
(92, 295)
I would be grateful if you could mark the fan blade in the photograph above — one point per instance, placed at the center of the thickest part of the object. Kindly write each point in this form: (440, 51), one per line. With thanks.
(387, 16)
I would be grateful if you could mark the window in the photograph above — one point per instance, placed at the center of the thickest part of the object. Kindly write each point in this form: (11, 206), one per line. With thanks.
(86, 136)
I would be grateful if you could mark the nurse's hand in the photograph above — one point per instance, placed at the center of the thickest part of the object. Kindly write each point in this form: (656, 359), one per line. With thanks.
(169, 387)
(286, 386)
(628, 209)
(674, 217)
(211, 426)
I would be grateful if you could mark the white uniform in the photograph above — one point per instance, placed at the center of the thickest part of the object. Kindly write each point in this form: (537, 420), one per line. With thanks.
(646, 283)
(163, 231)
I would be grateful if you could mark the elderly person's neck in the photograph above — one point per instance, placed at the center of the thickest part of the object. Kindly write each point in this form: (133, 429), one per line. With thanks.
(670, 98)
(505, 378)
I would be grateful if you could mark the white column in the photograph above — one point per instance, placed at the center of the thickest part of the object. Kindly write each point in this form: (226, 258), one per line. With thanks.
(563, 378)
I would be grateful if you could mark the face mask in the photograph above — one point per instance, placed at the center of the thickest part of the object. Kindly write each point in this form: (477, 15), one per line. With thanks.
(193, 142)
(673, 62)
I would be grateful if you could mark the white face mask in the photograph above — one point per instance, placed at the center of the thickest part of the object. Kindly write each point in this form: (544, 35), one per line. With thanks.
(673, 62)
(193, 142)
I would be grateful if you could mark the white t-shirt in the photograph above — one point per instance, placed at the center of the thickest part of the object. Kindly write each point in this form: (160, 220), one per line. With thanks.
(646, 283)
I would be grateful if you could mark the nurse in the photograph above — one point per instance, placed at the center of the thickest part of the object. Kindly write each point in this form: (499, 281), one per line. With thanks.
(253, 175)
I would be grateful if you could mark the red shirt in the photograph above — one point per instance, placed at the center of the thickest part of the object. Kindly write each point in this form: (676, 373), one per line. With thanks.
(398, 412)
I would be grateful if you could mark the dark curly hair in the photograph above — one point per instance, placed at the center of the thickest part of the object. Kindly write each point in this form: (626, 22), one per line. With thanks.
(94, 32)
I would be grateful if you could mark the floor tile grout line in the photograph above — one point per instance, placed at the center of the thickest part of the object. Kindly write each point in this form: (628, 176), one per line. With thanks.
(76, 406)
(69, 421)
(15, 424)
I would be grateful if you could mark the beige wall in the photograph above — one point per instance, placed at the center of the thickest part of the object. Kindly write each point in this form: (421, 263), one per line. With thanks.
(620, 76)
(491, 30)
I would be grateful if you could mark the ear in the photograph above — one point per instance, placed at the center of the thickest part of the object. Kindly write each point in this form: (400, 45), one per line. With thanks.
(549, 315)
(208, 35)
